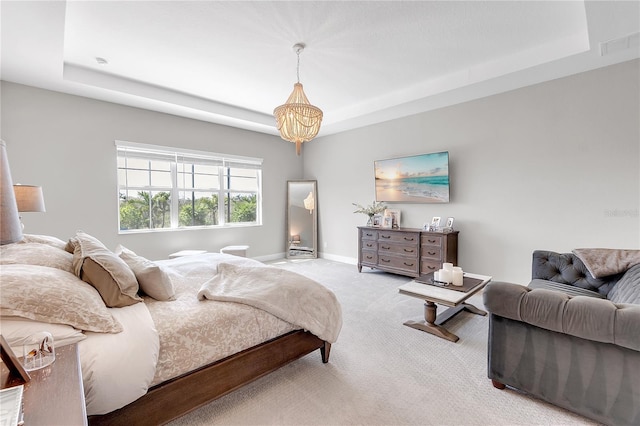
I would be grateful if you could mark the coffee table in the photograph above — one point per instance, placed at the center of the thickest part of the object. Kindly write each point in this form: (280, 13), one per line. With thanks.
(433, 294)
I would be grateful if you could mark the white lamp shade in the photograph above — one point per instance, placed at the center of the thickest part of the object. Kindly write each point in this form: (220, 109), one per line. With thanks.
(10, 227)
(29, 198)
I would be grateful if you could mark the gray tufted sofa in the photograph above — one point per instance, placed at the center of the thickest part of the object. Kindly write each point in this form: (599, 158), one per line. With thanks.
(569, 339)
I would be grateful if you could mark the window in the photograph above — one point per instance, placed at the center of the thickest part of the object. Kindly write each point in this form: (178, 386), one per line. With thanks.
(169, 188)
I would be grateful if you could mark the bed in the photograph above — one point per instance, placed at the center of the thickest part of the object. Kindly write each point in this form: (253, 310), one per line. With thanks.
(188, 331)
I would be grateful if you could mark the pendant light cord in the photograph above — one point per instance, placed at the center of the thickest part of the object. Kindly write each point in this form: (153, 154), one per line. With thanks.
(298, 68)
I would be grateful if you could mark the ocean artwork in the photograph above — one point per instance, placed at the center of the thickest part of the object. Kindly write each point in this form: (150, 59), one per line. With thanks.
(416, 179)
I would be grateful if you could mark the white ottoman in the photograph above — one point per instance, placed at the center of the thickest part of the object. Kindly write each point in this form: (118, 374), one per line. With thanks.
(235, 250)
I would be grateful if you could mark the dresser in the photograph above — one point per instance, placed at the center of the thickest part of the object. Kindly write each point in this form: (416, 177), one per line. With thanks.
(406, 251)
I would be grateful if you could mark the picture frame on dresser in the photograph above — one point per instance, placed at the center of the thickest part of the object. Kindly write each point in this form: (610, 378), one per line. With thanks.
(387, 221)
(395, 214)
(377, 220)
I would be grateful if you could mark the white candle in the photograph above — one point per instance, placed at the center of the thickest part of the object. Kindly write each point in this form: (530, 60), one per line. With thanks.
(436, 276)
(445, 275)
(447, 266)
(457, 276)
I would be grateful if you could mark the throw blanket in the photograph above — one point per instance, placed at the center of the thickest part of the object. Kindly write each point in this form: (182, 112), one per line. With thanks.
(284, 294)
(602, 262)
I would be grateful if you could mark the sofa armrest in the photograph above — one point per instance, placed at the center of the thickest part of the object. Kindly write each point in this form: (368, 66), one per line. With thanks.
(586, 317)
(567, 268)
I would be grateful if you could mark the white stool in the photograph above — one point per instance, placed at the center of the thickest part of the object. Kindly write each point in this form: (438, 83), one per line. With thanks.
(235, 250)
(182, 253)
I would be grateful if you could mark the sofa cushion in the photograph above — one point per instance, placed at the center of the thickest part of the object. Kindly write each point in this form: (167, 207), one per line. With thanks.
(627, 290)
(566, 288)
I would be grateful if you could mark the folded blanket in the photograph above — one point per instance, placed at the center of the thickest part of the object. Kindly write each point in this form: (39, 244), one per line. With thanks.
(287, 295)
(602, 262)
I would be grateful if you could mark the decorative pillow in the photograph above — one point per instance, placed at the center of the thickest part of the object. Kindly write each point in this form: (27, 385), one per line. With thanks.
(101, 268)
(50, 295)
(36, 254)
(627, 289)
(153, 280)
(43, 239)
(15, 330)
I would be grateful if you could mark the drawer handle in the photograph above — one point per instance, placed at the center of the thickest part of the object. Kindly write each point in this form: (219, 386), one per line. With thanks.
(369, 234)
(408, 264)
(432, 241)
(409, 239)
(432, 253)
(369, 257)
(369, 245)
(385, 236)
(385, 248)
(408, 250)
(431, 267)
(385, 260)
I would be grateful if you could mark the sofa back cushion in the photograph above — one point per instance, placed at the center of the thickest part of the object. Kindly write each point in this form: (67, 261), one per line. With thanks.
(627, 290)
(567, 268)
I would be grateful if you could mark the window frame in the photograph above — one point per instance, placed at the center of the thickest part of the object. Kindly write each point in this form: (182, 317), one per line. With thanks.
(176, 157)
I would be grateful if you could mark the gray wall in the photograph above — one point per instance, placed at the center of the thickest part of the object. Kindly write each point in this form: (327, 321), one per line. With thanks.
(552, 166)
(66, 144)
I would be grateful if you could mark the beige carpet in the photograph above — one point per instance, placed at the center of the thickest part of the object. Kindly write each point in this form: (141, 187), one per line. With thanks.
(380, 371)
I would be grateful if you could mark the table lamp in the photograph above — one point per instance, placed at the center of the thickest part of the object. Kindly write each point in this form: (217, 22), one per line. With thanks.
(29, 198)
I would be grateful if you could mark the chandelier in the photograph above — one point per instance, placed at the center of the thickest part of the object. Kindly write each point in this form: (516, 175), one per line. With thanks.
(297, 120)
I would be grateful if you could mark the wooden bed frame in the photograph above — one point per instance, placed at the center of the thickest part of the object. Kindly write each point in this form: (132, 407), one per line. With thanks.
(176, 397)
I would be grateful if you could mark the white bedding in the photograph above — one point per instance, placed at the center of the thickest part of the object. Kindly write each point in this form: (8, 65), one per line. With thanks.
(114, 377)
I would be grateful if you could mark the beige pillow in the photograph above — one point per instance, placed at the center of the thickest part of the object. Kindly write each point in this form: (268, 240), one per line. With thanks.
(153, 280)
(101, 268)
(43, 239)
(36, 254)
(50, 295)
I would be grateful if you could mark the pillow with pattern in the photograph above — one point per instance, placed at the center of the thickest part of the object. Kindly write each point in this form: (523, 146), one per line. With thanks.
(50, 295)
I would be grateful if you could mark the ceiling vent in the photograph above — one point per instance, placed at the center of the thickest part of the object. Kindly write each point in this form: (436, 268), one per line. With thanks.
(619, 44)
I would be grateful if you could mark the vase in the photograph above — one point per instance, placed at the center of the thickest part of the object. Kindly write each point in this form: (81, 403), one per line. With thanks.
(370, 221)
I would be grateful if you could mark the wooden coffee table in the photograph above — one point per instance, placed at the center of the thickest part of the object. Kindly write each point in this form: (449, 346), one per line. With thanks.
(443, 295)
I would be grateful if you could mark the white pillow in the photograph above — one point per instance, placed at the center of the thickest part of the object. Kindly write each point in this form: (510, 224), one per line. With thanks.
(154, 281)
(15, 330)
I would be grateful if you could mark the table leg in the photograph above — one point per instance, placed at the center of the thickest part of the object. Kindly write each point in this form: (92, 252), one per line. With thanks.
(432, 323)
(429, 325)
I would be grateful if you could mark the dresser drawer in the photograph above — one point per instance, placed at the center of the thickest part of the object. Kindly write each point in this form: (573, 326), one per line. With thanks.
(369, 245)
(369, 258)
(399, 237)
(431, 252)
(368, 234)
(427, 266)
(397, 262)
(409, 250)
(431, 240)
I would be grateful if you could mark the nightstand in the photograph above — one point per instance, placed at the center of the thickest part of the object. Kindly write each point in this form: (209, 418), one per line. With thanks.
(55, 395)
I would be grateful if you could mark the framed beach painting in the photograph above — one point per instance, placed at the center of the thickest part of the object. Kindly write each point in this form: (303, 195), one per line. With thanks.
(416, 179)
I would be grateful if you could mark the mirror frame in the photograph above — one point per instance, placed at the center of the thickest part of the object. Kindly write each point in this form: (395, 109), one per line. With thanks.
(314, 215)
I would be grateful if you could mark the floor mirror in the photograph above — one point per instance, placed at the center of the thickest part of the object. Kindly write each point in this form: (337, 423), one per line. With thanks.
(302, 220)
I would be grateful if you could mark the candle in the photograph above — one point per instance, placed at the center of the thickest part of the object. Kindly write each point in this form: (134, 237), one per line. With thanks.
(436, 276)
(457, 276)
(445, 276)
(447, 266)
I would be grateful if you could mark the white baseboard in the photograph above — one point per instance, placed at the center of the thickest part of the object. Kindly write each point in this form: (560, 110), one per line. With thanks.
(328, 256)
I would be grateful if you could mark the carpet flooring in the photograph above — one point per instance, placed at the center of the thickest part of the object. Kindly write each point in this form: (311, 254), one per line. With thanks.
(380, 371)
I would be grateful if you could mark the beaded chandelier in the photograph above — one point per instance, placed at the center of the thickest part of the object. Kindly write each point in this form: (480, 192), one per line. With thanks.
(297, 120)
